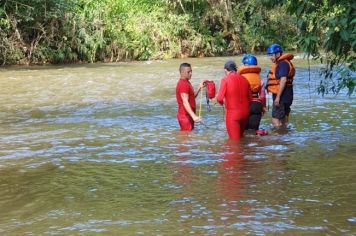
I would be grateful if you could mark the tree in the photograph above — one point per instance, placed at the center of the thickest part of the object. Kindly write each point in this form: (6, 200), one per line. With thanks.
(328, 33)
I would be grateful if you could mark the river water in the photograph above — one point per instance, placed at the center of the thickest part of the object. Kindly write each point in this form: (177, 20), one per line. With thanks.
(96, 150)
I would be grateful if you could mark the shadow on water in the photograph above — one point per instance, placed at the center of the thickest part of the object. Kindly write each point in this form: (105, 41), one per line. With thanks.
(96, 149)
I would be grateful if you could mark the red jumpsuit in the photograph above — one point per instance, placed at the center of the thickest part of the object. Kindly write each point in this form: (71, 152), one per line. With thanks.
(236, 93)
(185, 120)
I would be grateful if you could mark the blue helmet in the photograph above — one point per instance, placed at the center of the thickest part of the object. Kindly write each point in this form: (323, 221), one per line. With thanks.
(249, 59)
(274, 48)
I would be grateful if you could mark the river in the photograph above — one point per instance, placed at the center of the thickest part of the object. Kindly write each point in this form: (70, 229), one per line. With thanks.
(96, 150)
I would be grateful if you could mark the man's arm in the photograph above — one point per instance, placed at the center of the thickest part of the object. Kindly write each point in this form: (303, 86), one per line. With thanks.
(282, 85)
(262, 95)
(201, 85)
(221, 94)
(283, 69)
(187, 107)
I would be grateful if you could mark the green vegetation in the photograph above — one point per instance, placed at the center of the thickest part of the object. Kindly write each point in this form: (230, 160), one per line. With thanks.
(71, 31)
(329, 27)
(65, 31)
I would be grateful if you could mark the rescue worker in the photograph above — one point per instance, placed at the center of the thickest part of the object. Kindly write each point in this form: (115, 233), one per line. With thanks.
(235, 94)
(186, 99)
(251, 71)
(280, 84)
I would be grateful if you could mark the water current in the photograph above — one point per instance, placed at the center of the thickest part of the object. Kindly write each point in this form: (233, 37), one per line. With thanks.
(96, 150)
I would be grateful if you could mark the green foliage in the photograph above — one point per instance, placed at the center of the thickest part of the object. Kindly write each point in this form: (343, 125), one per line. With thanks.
(262, 24)
(37, 31)
(62, 31)
(328, 32)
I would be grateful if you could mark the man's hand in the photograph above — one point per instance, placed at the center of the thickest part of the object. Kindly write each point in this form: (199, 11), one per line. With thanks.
(201, 85)
(214, 101)
(264, 111)
(282, 85)
(197, 119)
(276, 101)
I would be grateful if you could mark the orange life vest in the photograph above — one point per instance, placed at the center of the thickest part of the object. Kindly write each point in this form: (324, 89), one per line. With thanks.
(252, 74)
(272, 82)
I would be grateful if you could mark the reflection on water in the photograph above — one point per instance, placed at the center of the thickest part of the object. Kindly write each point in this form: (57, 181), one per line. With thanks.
(95, 149)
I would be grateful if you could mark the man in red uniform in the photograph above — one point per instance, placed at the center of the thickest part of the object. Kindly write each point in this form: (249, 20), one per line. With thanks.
(186, 99)
(235, 92)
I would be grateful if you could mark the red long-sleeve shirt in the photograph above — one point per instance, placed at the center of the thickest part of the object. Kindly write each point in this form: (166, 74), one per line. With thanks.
(235, 92)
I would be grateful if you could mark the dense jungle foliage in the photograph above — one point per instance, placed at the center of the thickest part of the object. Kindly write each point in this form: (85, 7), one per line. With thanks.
(70, 31)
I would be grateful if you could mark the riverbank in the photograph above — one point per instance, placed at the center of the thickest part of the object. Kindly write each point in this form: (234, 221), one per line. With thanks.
(300, 57)
(112, 31)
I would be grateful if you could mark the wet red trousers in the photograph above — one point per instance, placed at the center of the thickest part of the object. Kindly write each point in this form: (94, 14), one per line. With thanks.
(236, 123)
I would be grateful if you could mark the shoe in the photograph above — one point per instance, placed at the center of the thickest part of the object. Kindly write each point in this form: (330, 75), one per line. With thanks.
(261, 132)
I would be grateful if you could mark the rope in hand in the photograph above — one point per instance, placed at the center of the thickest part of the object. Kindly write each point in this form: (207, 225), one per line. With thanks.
(201, 101)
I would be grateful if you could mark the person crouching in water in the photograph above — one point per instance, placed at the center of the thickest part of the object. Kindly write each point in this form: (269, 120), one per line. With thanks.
(186, 99)
(235, 94)
(251, 71)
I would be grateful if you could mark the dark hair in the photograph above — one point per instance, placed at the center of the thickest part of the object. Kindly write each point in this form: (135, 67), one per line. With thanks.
(230, 66)
(183, 65)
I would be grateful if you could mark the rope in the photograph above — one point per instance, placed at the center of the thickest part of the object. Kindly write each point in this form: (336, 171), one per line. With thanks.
(201, 101)
(207, 102)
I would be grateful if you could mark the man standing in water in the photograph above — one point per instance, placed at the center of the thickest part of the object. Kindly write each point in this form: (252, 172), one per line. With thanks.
(186, 99)
(235, 92)
(251, 71)
(280, 84)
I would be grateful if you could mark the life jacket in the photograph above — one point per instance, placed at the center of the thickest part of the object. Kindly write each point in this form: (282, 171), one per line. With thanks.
(252, 74)
(210, 91)
(272, 82)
